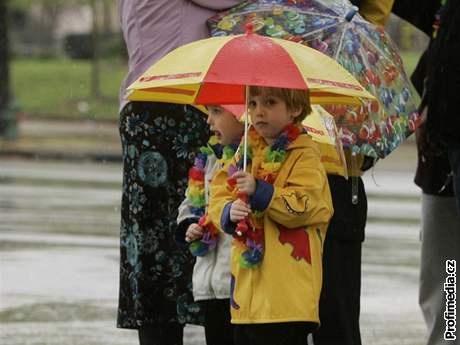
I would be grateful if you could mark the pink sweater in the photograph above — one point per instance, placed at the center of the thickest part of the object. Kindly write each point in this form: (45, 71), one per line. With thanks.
(152, 28)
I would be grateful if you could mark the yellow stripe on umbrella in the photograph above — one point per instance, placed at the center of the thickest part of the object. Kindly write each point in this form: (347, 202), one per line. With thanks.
(320, 125)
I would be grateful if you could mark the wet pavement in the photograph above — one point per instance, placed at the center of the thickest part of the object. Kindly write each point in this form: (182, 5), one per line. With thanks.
(59, 256)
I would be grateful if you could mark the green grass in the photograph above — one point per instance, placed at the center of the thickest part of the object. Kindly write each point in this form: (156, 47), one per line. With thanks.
(56, 87)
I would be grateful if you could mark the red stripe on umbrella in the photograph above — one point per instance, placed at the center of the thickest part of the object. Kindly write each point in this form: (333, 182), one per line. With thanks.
(244, 60)
(226, 94)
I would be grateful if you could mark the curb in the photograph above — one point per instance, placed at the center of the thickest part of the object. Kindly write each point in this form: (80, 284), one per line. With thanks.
(63, 156)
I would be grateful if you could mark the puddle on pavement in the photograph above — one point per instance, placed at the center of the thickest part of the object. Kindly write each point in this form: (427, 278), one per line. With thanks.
(66, 294)
(59, 183)
(57, 312)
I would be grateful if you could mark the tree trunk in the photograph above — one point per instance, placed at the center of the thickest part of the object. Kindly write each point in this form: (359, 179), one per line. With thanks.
(4, 65)
(49, 18)
(107, 16)
(95, 69)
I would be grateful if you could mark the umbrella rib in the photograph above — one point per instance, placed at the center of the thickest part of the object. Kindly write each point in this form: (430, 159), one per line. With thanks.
(319, 30)
(336, 55)
(198, 92)
(328, 6)
(284, 8)
(319, 14)
(366, 63)
(373, 44)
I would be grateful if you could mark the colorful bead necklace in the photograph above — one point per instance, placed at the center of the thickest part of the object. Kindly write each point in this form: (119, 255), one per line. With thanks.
(197, 195)
(249, 232)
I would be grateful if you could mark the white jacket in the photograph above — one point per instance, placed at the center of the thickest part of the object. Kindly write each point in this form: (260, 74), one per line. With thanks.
(211, 274)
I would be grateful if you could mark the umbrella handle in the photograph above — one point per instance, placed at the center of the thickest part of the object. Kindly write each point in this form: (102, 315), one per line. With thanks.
(245, 142)
(242, 226)
(351, 13)
(243, 197)
(354, 179)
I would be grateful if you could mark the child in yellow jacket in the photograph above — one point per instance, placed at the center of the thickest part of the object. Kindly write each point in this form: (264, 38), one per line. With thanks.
(277, 211)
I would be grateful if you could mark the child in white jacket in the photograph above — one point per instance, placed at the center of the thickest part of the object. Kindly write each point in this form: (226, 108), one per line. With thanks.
(211, 274)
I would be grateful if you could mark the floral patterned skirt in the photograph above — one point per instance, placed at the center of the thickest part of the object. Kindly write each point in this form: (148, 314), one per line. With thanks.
(159, 144)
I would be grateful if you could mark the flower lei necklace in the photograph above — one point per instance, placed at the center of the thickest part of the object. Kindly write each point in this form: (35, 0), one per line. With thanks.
(197, 195)
(249, 233)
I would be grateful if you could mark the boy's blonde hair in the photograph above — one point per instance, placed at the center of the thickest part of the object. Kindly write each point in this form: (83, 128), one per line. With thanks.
(294, 98)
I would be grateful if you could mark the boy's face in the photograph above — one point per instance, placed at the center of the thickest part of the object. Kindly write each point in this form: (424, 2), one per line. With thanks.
(270, 115)
(224, 124)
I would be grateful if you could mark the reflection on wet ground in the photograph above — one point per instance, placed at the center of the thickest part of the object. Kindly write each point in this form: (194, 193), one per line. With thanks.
(59, 257)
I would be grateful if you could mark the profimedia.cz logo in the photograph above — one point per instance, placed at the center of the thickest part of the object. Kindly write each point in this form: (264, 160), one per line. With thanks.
(450, 288)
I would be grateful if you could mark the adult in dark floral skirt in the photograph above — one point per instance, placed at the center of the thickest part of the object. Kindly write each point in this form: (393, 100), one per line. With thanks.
(159, 143)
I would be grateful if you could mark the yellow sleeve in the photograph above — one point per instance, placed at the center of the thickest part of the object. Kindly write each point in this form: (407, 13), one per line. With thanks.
(220, 195)
(305, 199)
(376, 11)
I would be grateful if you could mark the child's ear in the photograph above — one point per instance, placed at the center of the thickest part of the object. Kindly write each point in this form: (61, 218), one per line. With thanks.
(296, 112)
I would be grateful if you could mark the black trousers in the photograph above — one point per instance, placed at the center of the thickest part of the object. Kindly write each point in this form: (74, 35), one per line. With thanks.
(287, 333)
(217, 326)
(166, 334)
(339, 305)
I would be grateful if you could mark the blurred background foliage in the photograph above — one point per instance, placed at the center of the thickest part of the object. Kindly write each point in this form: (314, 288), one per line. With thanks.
(67, 57)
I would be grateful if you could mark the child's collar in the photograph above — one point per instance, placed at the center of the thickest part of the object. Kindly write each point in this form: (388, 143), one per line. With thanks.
(218, 149)
(302, 140)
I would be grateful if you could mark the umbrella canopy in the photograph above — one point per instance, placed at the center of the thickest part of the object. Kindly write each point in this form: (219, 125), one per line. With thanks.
(321, 126)
(217, 70)
(334, 28)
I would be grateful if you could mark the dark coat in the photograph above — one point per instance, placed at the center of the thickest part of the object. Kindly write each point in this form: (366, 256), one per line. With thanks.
(443, 79)
(433, 166)
(419, 14)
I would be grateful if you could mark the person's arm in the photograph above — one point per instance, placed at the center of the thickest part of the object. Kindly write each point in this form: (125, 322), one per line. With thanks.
(306, 198)
(376, 11)
(184, 219)
(217, 5)
(220, 201)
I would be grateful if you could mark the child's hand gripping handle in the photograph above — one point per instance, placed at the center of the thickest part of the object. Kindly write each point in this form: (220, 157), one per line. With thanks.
(242, 226)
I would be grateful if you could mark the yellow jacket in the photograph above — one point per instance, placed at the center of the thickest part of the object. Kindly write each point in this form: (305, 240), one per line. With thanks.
(376, 11)
(286, 286)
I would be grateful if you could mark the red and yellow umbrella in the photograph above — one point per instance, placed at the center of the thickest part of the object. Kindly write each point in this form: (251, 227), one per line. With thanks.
(217, 70)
